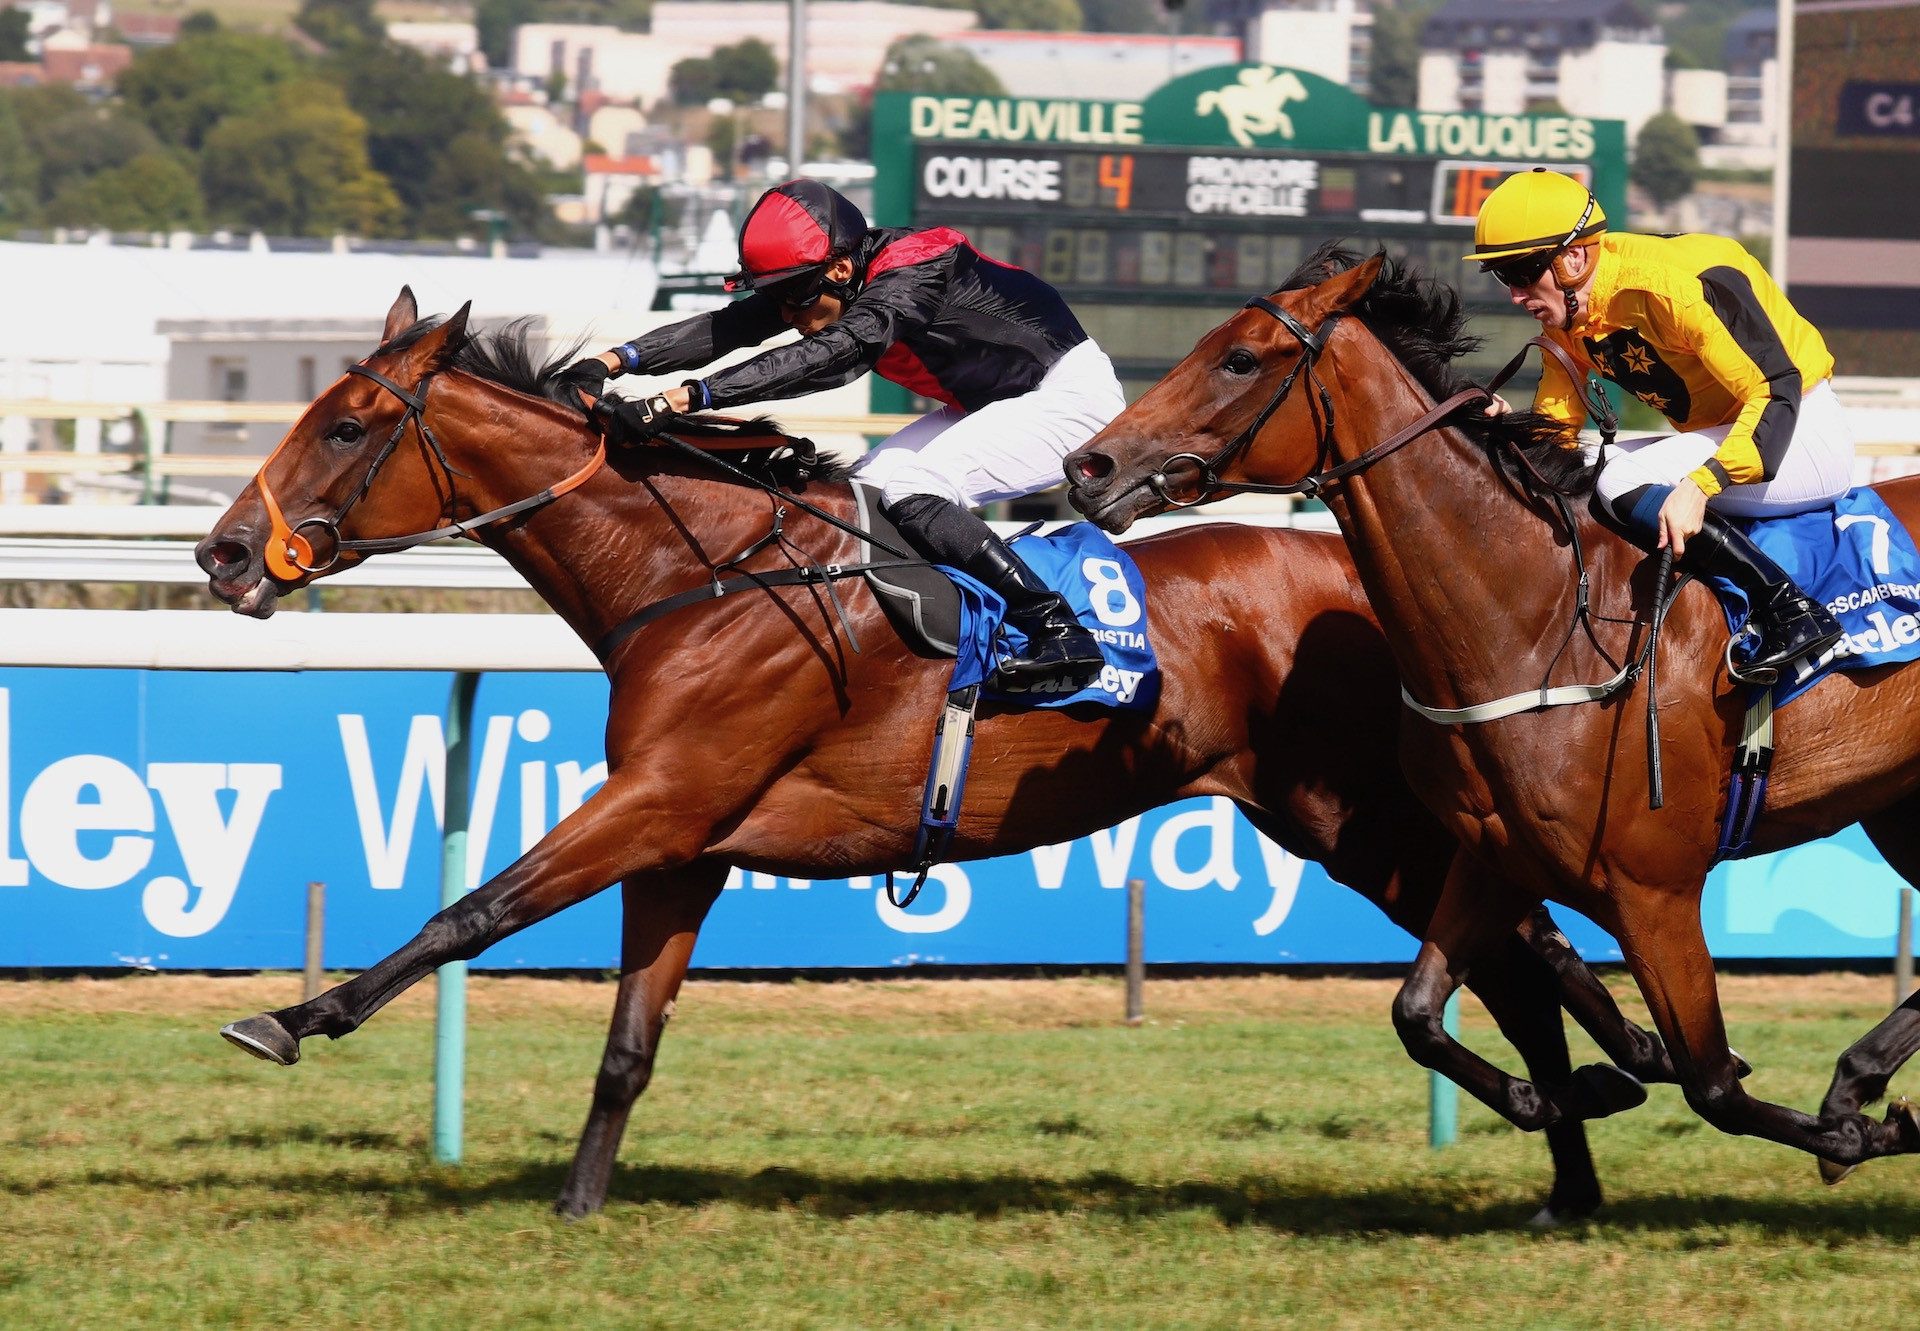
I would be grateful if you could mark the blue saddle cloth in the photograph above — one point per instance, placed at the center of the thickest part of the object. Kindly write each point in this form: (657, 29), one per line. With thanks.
(1858, 560)
(1101, 583)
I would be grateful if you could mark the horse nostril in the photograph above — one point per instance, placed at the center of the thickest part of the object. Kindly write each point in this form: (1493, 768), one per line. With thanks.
(219, 557)
(1093, 466)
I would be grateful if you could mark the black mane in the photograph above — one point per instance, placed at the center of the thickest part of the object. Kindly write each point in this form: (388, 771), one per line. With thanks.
(1420, 321)
(505, 356)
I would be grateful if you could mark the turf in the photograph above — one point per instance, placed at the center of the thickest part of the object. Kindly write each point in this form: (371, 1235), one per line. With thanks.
(896, 1153)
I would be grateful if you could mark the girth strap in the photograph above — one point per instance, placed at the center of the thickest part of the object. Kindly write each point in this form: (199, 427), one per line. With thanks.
(810, 575)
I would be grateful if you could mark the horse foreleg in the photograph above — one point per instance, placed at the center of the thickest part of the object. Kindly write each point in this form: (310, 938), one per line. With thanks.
(1521, 994)
(626, 828)
(661, 919)
(1477, 913)
(1634, 1049)
(1663, 943)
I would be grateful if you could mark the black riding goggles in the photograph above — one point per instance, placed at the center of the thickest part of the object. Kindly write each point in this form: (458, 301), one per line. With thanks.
(1522, 270)
(797, 294)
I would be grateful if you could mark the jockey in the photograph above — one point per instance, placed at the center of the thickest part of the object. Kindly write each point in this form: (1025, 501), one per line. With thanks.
(1695, 328)
(1021, 382)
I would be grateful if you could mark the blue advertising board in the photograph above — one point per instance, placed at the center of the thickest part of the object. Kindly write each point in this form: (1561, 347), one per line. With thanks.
(172, 820)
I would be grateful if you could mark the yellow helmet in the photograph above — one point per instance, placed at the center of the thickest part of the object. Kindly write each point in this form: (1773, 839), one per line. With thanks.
(1535, 210)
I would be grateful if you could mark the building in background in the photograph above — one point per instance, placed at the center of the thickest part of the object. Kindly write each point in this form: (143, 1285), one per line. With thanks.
(846, 40)
(1599, 58)
(1331, 38)
(1853, 207)
(1117, 64)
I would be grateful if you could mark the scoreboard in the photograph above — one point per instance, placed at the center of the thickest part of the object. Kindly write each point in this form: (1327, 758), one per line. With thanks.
(1157, 219)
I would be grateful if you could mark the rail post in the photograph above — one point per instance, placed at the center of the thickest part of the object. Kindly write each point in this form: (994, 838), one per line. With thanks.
(315, 971)
(1903, 949)
(450, 1013)
(1443, 1097)
(1136, 951)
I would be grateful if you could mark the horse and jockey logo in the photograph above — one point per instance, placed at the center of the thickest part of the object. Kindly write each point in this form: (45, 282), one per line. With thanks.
(1254, 105)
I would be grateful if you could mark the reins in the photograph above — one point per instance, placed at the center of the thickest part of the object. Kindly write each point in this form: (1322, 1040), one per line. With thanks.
(1315, 482)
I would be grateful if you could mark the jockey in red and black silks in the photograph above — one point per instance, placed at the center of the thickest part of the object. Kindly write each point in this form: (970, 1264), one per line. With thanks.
(1021, 382)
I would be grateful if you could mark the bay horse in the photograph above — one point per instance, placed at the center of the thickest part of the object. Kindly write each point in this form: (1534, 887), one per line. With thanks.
(1459, 529)
(743, 732)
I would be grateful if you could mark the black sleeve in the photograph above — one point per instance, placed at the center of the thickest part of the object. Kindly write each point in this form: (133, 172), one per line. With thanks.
(894, 305)
(706, 337)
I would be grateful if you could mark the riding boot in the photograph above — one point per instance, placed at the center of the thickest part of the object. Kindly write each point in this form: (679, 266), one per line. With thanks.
(1058, 648)
(1791, 624)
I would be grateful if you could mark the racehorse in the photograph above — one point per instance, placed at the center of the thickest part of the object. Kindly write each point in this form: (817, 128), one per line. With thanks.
(1459, 526)
(744, 732)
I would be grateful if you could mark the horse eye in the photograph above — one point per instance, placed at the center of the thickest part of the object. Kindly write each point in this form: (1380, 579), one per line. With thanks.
(347, 432)
(1240, 361)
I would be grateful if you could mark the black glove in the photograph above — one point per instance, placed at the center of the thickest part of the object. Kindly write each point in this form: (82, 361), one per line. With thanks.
(634, 420)
(589, 375)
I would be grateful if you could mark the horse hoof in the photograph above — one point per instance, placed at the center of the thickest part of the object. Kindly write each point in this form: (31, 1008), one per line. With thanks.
(1904, 1115)
(1545, 1218)
(264, 1037)
(1741, 1068)
(1831, 1173)
(1601, 1089)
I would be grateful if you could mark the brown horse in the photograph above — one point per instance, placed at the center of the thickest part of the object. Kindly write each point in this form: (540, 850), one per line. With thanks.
(1463, 547)
(743, 732)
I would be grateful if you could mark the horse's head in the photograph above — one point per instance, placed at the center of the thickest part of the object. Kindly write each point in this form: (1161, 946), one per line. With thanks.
(357, 461)
(1237, 408)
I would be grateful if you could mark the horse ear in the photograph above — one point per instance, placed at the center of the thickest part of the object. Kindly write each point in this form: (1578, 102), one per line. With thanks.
(436, 348)
(1343, 290)
(404, 315)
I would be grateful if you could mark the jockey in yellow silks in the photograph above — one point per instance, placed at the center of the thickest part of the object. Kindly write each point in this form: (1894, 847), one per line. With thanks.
(1695, 328)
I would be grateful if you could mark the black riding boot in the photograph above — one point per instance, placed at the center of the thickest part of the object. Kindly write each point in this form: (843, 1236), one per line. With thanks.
(1058, 648)
(1790, 623)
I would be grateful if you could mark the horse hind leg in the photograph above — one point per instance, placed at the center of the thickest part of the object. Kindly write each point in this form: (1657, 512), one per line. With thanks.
(1661, 936)
(1861, 1074)
(661, 918)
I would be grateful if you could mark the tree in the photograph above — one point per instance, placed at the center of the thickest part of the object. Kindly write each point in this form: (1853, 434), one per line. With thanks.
(471, 175)
(919, 63)
(1666, 158)
(495, 20)
(72, 139)
(691, 82)
(1033, 15)
(200, 23)
(414, 112)
(746, 71)
(182, 91)
(340, 25)
(15, 24)
(153, 192)
(19, 170)
(299, 167)
(1123, 15)
(1395, 69)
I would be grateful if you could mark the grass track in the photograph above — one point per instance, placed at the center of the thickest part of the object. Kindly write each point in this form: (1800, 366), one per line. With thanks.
(897, 1153)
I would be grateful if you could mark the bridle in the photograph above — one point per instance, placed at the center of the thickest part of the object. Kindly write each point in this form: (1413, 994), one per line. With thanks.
(290, 554)
(1312, 344)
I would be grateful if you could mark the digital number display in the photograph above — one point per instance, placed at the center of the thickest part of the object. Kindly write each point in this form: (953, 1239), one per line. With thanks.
(1175, 183)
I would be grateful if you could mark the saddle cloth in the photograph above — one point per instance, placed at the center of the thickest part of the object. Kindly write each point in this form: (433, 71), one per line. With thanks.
(1856, 558)
(939, 611)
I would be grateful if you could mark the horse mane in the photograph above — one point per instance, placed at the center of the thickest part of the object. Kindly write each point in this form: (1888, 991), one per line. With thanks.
(1420, 321)
(504, 355)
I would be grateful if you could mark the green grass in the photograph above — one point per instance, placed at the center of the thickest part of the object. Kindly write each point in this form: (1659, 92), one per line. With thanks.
(898, 1153)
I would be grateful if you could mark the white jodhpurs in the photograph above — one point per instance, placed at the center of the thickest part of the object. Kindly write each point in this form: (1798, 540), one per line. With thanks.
(1816, 470)
(1005, 449)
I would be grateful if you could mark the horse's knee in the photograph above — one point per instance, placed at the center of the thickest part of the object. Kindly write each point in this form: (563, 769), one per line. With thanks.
(624, 1074)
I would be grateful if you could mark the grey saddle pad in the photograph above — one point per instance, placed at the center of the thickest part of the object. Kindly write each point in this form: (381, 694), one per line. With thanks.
(920, 600)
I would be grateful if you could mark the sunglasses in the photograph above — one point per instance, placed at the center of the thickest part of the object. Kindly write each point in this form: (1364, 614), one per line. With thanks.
(799, 296)
(1522, 271)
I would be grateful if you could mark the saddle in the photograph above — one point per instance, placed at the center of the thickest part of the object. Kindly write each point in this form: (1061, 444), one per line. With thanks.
(920, 601)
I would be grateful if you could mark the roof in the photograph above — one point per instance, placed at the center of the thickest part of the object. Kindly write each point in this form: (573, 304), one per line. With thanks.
(95, 66)
(602, 164)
